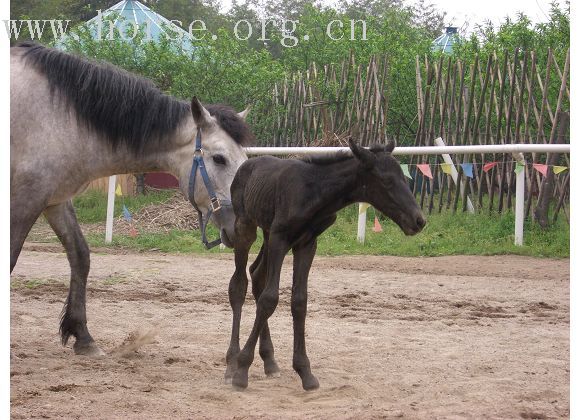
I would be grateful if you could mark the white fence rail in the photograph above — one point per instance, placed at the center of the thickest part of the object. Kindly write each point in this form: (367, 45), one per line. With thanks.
(516, 149)
(420, 150)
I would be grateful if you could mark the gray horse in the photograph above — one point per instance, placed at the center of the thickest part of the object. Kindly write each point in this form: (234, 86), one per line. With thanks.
(74, 120)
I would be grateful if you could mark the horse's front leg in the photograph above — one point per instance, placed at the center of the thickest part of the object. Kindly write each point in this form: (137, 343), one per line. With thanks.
(303, 256)
(63, 221)
(25, 207)
(245, 237)
(265, 306)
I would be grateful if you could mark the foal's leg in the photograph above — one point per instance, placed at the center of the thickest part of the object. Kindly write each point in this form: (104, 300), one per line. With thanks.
(303, 256)
(245, 237)
(265, 306)
(258, 275)
(63, 221)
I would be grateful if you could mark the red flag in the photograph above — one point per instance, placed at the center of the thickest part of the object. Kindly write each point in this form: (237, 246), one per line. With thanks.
(377, 228)
(541, 168)
(488, 166)
(133, 232)
(424, 167)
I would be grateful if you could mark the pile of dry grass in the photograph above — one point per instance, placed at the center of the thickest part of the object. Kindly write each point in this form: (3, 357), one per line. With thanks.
(174, 214)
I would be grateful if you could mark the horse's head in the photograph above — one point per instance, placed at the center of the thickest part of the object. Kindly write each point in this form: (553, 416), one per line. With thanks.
(386, 188)
(223, 135)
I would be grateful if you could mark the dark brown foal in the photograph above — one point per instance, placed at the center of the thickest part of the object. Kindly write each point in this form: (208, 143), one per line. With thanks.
(294, 201)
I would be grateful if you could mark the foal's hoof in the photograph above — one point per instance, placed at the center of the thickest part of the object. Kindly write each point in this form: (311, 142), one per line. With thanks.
(310, 383)
(88, 349)
(271, 369)
(240, 380)
(228, 376)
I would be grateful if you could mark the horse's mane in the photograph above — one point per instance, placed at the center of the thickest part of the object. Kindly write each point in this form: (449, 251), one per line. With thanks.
(339, 156)
(327, 159)
(125, 108)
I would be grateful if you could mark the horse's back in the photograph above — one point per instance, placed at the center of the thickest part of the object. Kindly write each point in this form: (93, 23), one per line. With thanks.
(257, 187)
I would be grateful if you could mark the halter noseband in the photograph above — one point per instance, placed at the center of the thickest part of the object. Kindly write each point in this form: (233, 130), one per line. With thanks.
(215, 203)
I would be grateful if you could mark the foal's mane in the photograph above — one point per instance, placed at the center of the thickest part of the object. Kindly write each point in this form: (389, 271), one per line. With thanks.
(339, 156)
(124, 108)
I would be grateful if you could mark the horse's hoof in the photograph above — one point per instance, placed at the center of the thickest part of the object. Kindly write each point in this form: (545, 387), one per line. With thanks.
(240, 381)
(90, 350)
(271, 369)
(310, 383)
(228, 377)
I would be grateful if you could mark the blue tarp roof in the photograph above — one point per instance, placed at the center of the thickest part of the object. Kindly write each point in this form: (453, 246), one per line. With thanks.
(445, 42)
(136, 12)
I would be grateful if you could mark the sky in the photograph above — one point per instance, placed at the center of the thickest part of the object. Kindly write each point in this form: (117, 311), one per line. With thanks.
(471, 12)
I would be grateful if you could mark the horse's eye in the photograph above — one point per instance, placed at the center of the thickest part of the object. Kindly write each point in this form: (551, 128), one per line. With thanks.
(219, 160)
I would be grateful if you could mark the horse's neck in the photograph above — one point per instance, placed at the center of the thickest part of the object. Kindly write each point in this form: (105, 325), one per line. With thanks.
(165, 155)
(339, 184)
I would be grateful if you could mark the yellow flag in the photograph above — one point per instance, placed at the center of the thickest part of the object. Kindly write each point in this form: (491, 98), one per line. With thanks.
(362, 207)
(118, 191)
(558, 169)
(446, 168)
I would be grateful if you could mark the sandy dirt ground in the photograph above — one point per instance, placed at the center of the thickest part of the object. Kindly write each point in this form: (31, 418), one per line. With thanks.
(449, 337)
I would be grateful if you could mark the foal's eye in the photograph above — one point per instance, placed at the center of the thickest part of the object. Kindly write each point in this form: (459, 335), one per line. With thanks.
(219, 160)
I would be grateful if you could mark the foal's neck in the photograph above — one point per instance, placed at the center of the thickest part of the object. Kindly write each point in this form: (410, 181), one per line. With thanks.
(340, 184)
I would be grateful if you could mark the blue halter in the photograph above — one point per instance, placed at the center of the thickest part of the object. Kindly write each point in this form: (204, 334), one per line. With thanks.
(215, 203)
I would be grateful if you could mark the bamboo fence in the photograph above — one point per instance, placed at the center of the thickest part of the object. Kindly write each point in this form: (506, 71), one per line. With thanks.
(503, 98)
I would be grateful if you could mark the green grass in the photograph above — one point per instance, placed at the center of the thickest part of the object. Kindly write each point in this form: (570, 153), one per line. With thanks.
(91, 207)
(445, 234)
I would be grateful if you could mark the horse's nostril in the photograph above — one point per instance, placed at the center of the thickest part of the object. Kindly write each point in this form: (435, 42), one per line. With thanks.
(421, 222)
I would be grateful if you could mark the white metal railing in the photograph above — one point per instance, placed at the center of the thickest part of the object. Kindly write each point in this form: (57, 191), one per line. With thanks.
(516, 149)
(420, 150)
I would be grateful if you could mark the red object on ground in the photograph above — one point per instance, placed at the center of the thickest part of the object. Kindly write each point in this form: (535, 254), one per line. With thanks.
(161, 180)
(377, 228)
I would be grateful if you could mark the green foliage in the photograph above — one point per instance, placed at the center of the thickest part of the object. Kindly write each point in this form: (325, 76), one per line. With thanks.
(242, 73)
(224, 70)
(522, 34)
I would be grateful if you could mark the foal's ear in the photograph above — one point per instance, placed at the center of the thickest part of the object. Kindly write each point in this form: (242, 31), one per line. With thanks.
(244, 113)
(391, 146)
(201, 116)
(366, 157)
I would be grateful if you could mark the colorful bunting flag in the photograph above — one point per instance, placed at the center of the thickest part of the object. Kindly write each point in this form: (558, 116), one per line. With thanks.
(488, 166)
(519, 167)
(425, 169)
(133, 232)
(467, 169)
(362, 207)
(126, 214)
(377, 228)
(541, 168)
(405, 169)
(558, 169)
(446, 168)
(118, 191)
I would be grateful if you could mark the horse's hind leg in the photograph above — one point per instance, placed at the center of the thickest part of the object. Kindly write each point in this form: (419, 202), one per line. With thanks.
(265, 306)
(245, 237)
(303, 256)
(63, 221)
(258, 275)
